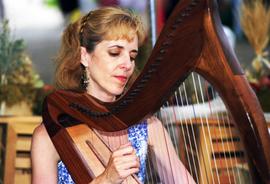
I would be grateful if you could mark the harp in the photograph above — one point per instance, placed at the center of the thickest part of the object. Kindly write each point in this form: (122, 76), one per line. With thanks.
(191, 41)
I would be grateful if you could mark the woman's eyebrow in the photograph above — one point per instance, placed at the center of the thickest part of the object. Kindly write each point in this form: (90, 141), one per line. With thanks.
(118, 46)
(122, 47)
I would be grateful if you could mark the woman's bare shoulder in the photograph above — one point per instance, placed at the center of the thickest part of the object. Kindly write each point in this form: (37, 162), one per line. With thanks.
(154, 122)
(155, 130)
(40, 130)
(42, 142)
(40, 134)
(154, 125)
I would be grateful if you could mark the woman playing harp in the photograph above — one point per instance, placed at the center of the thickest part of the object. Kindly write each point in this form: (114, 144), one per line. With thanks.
(98, 56)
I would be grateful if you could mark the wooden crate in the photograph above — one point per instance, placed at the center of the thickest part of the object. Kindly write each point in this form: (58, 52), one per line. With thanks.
(8, 152)
(23, 127)
(222, 152)
(210, 148)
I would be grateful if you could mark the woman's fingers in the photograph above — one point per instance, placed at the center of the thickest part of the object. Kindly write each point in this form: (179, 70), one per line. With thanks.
(129, 165)
(125, 173)
(125, 149)
(127, 161)
(123, 162)
(125, 145)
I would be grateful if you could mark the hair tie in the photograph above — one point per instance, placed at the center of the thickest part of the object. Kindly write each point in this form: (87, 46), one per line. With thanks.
(83, 23)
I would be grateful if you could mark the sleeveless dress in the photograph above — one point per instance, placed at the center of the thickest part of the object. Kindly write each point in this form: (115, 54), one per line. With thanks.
(137, 135)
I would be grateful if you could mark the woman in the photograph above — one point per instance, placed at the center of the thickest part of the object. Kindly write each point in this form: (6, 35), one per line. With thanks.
(98, 55)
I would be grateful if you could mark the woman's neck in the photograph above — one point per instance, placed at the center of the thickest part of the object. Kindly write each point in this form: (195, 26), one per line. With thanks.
(101, 95)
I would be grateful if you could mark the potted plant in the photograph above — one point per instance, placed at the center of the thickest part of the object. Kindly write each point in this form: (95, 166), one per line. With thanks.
(18, 80)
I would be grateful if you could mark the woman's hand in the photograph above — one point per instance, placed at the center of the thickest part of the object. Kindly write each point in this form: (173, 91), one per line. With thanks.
(123, 162)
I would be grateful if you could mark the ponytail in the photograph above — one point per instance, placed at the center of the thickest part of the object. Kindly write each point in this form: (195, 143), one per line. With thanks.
(68, 67)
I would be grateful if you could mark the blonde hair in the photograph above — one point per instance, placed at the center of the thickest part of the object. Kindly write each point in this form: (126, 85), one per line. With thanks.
(107, 23)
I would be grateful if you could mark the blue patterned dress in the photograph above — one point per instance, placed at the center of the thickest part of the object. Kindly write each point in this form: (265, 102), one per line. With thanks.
(137, 135)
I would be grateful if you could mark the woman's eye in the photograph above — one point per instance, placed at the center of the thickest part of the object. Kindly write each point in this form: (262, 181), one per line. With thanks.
(132, 58)
(114, 54)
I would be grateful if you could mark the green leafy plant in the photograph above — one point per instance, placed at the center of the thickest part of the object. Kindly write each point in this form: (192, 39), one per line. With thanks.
(18, 80)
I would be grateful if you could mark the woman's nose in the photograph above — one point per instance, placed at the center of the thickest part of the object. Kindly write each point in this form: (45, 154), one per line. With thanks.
(126, 63)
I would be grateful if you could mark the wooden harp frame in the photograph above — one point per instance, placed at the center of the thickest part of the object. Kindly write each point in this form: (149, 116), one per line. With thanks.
(192, 40)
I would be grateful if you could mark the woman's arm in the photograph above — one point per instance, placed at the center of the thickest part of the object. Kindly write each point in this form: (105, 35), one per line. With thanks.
(168, 165)
(44, 157)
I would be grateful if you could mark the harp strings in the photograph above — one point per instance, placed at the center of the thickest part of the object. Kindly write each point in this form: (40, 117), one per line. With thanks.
(221, 122)
(187, 135)
(231, 148)
(201, 126)
(205, 132)
(192, 138)
(216, 133)
(171, 134)
(234, 154)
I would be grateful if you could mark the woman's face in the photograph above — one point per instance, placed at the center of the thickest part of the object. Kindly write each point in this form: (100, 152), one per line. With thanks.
(110, 66)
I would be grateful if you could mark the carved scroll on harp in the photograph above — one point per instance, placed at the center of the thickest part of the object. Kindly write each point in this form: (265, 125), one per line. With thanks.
(192, 41)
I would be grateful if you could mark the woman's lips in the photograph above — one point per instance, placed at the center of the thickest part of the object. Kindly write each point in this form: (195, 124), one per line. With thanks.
(121, 78)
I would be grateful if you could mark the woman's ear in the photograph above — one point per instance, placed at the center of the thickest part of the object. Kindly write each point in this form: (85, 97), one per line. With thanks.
(84, 57)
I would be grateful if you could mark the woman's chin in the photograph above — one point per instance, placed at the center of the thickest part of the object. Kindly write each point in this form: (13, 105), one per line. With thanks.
(117, 91)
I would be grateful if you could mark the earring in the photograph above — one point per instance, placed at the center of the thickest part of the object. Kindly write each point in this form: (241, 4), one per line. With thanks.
(84, 78)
